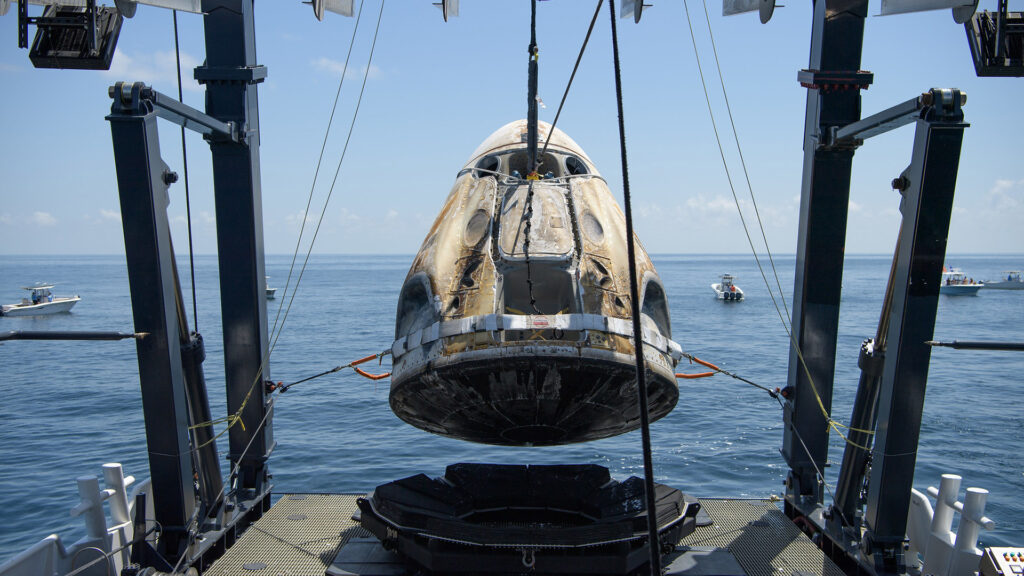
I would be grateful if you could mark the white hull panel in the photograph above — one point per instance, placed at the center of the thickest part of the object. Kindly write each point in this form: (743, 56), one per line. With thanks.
(56, 307)
(960, 289)
(727, 295)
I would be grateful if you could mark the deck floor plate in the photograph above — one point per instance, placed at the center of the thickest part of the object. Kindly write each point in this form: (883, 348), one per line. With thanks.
(301, 533)
(761, 538)
(298, 536)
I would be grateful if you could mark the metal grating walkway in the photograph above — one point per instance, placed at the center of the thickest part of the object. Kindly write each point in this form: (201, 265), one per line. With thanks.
(298, 536)
(762, 539)
(301, 533)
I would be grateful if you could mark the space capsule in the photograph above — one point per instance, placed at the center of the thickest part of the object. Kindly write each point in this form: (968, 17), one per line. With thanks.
(514, 324)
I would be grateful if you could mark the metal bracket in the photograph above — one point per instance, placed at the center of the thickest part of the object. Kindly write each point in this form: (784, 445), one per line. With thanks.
(835, 80)
(936, 104)
(240, 74)
(137, 96)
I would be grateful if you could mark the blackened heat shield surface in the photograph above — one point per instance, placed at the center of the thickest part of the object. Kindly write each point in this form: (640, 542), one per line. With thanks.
(489, 518)
(529, 400)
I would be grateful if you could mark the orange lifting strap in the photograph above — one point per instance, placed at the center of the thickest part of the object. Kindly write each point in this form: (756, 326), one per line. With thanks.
(701, 374)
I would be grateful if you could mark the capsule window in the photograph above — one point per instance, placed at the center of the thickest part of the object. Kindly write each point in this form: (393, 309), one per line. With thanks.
(575, 167)
(488, 164)
(415, 306)
(547, 165)
(656, 307)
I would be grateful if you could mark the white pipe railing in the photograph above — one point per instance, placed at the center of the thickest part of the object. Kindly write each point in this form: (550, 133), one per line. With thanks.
(49, 557)
(943, 552)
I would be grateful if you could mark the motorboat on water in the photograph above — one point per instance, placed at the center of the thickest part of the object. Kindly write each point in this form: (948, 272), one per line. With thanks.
(270, 291)
(40, 302)
(1013, 281)
(956, 283)
(727, 290)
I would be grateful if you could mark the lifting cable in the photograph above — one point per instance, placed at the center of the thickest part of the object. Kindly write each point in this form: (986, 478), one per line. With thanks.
(832, 423)
(337, 171)
(353, 365)
(638, 342)
(776, 393)
(235, 418)
(743, 163)
(319, 161)
(188, 203)
(716, 370)
(565, 94)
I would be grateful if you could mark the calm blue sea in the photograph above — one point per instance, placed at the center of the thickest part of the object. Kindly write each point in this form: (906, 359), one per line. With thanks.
(70, 407)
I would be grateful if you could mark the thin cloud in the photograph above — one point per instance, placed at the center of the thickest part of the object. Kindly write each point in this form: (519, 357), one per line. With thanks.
(348, 216)
(296, 218)
(718, 205)
(5, 67)
(43, 219)
(5, 218)
(110, 215)
(158, 69)
(1007, 195)
(335, 67)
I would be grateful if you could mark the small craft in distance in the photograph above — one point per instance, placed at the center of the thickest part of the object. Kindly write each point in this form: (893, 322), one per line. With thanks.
(270, 291)
(1013, 281)
(956, 283)
(41, 302)
(726, 290)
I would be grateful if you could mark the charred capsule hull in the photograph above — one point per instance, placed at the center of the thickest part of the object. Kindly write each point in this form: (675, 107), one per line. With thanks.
(514, 323)
(529, 394)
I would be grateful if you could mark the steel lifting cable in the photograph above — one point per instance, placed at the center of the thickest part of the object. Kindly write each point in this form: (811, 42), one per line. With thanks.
(235, 418)
(716, 370)
(232, 474)
(832, 423)
(319, 161)
(653, 544)
(743, 163)
(353, 365)
(188, 203)
(774, 394)
(337, 171)
(568, 85)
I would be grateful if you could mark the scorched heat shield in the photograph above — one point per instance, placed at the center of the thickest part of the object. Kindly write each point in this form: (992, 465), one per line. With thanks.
(514, 325)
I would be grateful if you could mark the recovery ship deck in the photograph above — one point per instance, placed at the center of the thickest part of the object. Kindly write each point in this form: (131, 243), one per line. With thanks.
(302, 534)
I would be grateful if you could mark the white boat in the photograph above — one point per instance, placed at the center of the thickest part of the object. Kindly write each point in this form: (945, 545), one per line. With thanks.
(42, 301)
(726, 290)
(956, 283)
(1013, 281)
(270, 291)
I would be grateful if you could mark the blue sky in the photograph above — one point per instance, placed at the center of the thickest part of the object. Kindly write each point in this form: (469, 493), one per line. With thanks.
(437, 89)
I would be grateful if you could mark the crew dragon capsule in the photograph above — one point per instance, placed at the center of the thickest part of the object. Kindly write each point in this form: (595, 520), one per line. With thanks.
(514, 325)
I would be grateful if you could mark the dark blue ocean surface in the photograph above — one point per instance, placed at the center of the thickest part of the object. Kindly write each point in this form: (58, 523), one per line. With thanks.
(69, 407)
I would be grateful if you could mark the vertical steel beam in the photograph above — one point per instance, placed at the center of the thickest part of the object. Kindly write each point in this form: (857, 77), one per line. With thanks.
(142, 183)
(230, 75)
(926, 208)
(833, 100)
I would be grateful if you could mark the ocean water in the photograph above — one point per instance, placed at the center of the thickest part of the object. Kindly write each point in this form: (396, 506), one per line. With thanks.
(69, 407)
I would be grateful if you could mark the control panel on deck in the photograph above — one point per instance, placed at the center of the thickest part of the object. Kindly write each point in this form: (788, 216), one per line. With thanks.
(1001, 561)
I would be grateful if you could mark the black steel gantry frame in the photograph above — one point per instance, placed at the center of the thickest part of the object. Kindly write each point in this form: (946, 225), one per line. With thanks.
(173, 391)
(833, 131)
(890, 397)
